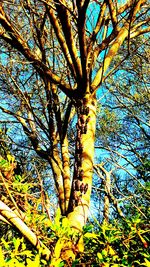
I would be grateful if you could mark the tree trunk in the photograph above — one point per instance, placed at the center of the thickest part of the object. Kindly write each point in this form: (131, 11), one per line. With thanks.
(84, 155)
(106, 198)
(82, 178)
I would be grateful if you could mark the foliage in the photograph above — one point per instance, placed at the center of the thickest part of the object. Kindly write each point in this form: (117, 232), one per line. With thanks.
(123, 243)
(15, 253)
(118, 244)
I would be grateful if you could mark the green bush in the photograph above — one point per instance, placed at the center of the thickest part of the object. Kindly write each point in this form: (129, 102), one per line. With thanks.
(118, 244)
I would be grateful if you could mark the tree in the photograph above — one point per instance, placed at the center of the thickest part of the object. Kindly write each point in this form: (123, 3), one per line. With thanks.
(53, 65)
(123, 132)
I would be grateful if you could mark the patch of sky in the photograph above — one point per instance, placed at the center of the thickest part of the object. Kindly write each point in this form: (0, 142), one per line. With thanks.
(3, 57)
(92, 16)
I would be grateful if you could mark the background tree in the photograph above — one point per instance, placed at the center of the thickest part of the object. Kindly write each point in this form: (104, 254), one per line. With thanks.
(123, 128)
(52, 64)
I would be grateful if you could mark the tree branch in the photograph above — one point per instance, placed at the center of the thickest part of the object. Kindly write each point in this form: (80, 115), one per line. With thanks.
(66, 27)
(11, 217)
(15, 40)
(81, 23)
(62, 40)
(113, 13)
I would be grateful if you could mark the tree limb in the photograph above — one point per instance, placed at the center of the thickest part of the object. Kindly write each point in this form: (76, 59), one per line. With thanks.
(11, 217)
(16, 41)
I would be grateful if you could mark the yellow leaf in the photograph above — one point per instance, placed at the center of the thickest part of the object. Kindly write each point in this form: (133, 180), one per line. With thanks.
(106, 264)
(2, 261)
(90, 235)
(57, 218)
(111, 251)
(29, 263)
(6, 244)
(142, 239)
(80, 244)
(48, 222)
(65, 222)
(55, 263)
(99, 255)
(68, 254)
(37, 261)
(34, 263)
(10, 158)
(58, 248)
(147, 263)
(115, 257)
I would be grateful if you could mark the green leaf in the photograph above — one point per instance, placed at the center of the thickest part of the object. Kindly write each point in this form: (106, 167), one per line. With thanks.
(17, 242)
(104, 252)
(18, 178)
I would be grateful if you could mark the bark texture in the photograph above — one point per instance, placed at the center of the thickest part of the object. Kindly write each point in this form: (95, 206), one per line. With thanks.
(83, 169)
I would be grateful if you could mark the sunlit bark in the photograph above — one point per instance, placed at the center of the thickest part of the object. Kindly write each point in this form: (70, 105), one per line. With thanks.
(82, 180)
(9, 215)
